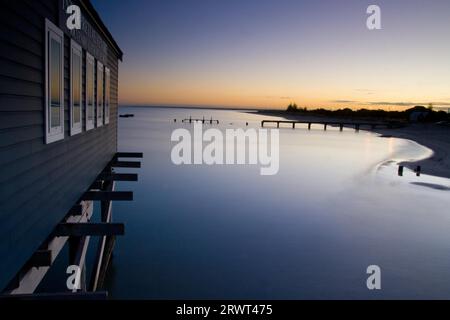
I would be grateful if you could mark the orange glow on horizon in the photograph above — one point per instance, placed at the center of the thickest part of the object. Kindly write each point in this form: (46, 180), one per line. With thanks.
(228, 96)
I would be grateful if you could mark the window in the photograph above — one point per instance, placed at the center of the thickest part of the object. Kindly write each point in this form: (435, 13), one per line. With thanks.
(54, 90)
(75, 88)
(90, 112)
(107, 93)
(99, 94)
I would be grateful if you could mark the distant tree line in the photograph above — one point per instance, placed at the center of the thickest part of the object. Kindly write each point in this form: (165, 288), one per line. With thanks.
(417, 113)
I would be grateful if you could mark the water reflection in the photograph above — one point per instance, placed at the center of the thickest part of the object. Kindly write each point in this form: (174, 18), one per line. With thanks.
(308, 232)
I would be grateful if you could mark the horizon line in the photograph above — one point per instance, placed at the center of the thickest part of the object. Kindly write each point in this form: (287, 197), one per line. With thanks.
(218, 107)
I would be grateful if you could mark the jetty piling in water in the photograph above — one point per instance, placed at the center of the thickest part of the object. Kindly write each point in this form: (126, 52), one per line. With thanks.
(418, 171)
(400, 171)
(202, 120)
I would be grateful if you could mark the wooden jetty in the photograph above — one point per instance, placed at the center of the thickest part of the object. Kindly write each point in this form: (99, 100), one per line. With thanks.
(325, 124)
(76, 229)
(203, 120)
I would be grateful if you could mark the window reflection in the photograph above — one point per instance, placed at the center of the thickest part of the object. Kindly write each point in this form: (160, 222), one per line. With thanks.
(76, 87)
(90, 89)
(55, 83)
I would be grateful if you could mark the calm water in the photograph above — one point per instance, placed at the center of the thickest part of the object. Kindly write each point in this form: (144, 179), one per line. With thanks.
(335, 207)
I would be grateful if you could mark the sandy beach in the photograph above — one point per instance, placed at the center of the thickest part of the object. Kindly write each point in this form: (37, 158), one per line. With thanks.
(433, 136)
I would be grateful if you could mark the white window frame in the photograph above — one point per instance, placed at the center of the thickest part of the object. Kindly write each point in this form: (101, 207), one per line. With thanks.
(100, 91)
(90, 124)
(76, 128)
(107, 98)
(56, 133)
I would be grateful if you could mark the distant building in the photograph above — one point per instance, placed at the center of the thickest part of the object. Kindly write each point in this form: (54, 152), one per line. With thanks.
(58, 139)
(418, 116)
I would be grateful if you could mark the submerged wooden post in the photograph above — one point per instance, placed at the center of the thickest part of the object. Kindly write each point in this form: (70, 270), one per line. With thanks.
(325, 126)
(400, 171)
(293, 125)
(309, 126)
(341, 127)
(418, 170)
(278, 124)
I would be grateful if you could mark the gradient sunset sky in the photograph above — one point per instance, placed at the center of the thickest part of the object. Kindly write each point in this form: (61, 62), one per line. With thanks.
(267, 53)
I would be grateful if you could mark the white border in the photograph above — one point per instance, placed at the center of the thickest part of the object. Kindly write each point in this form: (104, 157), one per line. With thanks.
(90, 124)
(107, 98)
(100, 107)
(76, 48)
(52, 135)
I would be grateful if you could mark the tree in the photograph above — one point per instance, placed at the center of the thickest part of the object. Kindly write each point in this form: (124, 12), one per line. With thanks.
(292, 107)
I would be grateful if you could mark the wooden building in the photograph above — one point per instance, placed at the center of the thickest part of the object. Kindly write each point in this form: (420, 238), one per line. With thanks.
(58, 138)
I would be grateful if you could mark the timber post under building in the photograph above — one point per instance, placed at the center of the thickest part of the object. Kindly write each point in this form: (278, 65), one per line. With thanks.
(58, 145)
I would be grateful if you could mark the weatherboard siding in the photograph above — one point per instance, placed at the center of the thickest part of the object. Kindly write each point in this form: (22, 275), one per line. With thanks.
(40, 182)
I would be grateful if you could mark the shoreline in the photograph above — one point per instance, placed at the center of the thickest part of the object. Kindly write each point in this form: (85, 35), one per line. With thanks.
(433, 136)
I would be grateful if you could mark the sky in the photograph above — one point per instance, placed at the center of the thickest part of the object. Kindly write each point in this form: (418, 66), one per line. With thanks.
(268, 53)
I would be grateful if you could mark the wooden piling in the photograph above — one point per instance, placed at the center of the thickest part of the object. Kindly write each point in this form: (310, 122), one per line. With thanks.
(309, 126)
(202, 120)
(400, 171)
(418, 171)
(341, 127)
